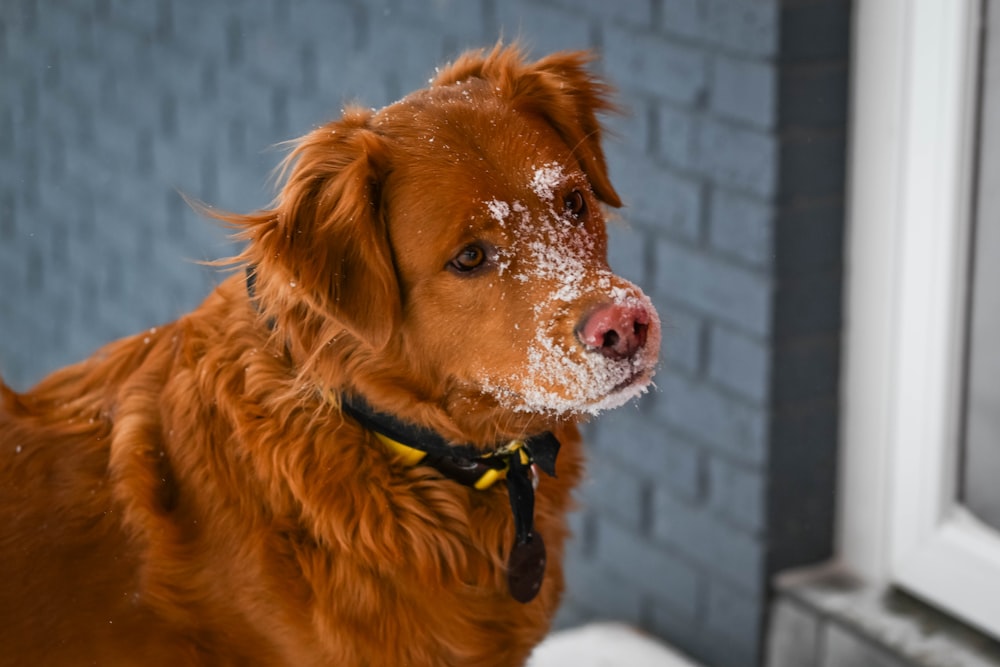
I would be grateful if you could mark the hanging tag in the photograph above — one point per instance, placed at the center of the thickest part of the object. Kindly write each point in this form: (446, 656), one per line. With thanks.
(526, 568)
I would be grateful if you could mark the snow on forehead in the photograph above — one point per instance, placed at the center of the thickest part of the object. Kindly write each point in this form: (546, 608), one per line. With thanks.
(499, 210)
(558, 252)
(546, 179)
(544, 182)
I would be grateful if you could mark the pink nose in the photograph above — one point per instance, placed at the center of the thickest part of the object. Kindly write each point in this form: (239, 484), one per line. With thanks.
(616, 331)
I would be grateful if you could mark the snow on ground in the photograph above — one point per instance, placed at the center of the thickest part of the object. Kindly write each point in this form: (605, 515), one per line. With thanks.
(605, 645)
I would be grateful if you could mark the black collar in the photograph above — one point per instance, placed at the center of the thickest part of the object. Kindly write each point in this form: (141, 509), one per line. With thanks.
(515, 461)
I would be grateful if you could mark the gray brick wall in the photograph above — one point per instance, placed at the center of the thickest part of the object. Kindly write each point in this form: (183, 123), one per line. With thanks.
(730, 161)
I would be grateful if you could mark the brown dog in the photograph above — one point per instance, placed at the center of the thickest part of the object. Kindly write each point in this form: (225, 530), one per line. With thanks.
(300, 472)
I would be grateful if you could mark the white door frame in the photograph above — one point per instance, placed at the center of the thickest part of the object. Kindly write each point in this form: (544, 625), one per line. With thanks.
(912, 131)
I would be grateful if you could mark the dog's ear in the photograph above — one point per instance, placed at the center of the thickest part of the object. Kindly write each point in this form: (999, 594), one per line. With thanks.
(560, 89)
(325, 242)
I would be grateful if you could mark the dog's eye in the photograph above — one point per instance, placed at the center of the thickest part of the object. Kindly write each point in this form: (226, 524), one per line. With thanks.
(471, 258)
(576, 204)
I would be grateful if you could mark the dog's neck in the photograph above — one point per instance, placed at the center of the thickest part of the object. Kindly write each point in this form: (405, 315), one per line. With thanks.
(516, 461)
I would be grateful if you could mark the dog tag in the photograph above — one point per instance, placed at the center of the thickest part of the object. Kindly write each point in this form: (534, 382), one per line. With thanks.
(526, 568)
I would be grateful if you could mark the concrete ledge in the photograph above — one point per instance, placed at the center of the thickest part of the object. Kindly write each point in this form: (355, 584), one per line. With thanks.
(823, 617)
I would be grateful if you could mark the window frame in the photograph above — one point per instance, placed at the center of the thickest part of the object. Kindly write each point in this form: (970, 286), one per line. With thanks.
(914, 77)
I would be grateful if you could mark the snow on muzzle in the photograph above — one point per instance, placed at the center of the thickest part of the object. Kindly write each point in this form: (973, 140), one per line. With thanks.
(608, 359)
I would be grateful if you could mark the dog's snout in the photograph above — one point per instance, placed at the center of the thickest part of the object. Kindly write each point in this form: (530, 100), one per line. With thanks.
(616, 331)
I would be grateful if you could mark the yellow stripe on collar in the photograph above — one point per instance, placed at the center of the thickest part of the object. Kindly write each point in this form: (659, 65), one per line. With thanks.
(412, 456)
(491, 476)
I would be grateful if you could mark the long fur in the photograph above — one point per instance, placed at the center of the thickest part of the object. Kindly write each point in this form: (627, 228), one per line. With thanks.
(193, 495)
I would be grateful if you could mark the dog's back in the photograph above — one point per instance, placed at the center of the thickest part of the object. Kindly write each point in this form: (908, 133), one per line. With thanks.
(99, 561)
(68, 576)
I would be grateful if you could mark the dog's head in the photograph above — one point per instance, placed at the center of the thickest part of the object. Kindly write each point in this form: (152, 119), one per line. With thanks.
(455, 241)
